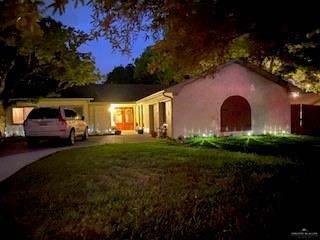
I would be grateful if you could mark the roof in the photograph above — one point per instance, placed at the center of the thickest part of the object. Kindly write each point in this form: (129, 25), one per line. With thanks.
(111, 92)
(249, 66)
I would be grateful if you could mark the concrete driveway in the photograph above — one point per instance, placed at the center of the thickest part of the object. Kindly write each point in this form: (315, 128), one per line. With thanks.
(16, 155)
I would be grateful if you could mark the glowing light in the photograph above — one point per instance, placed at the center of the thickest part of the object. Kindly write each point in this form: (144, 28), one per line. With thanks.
(249, 133)
(111, 108)
(295, 94)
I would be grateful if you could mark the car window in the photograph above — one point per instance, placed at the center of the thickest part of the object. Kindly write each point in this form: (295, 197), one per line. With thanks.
(70, 113)
(41, 113)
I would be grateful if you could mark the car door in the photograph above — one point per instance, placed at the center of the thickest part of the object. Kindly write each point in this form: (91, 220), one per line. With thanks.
(81, 124)
(75, 121)
(70, 116)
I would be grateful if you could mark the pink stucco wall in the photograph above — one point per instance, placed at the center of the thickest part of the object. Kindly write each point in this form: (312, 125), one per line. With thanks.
(196, 106)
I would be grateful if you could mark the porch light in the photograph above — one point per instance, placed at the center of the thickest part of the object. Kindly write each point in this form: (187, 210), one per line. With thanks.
(111, 108)
(295, 94)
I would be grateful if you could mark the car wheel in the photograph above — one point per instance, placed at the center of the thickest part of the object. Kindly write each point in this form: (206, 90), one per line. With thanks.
(85, 134)
(72, 137)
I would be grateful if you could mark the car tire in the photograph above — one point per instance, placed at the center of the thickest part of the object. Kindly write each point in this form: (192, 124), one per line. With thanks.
(72, 137)
(85, 134)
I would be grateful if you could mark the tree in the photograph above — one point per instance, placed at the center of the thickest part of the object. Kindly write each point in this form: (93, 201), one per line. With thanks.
(121, 75)
(149, 68)
(154, 68)
(18, 29)
(44, 54)
(196, 35)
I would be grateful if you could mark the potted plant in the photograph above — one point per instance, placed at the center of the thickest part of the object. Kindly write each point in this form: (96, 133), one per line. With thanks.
(154, 134)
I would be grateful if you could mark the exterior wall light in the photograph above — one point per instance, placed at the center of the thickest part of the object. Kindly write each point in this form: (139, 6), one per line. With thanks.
(295, 94)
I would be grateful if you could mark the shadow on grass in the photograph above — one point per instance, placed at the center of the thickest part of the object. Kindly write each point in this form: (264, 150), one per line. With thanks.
(9, 228)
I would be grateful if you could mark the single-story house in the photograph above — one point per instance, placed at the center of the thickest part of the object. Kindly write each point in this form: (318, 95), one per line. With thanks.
(235, 98)
(102, 105)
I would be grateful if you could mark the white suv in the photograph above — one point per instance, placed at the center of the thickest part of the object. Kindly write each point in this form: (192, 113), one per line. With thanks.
(49, 123)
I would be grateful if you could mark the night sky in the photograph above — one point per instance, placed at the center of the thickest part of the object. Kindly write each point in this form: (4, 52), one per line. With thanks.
(106, 58)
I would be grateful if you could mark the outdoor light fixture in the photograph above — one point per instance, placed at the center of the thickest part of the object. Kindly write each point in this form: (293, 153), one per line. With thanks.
(295, 94)
(111, 108)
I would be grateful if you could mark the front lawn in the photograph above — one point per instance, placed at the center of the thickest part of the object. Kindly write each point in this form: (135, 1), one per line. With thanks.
(157, 191)
(293, 146)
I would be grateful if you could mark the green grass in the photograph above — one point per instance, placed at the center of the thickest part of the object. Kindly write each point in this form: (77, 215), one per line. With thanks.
(292, 146)
(154, 191)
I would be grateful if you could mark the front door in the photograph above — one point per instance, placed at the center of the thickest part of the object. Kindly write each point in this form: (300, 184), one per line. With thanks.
(124, 118)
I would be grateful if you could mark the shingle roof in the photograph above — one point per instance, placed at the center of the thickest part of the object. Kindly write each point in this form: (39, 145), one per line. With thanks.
(111, 92)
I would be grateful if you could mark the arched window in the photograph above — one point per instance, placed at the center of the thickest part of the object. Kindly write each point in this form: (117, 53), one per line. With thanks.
(235, 114)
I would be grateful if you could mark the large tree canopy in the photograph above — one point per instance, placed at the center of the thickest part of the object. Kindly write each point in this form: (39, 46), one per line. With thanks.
(121, 75)
(41, 55)
(281, 36)
(146, 69)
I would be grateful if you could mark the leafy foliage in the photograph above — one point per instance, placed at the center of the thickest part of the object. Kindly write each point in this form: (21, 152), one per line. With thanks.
(152, 66)
(282, 37)
(121, 74)
(43, 57)
(149, 68)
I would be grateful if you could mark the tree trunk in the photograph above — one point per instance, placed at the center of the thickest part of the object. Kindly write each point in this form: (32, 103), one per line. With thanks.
(3, 78)
(2, 84)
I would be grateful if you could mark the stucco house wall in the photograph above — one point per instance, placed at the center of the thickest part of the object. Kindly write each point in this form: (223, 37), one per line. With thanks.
(197, 105)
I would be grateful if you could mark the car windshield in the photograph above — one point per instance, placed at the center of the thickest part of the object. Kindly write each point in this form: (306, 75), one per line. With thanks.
(41, 113)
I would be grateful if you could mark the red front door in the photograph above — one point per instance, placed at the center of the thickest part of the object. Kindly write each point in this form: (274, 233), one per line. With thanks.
(123, 118)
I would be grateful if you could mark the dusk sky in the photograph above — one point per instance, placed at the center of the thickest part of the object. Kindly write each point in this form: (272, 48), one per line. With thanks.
(106, 58)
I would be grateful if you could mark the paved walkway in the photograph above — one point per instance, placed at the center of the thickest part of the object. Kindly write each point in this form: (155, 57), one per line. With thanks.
(17, 155)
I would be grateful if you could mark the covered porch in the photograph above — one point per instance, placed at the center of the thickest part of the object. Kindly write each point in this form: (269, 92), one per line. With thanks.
(104, 117)
(154, 114)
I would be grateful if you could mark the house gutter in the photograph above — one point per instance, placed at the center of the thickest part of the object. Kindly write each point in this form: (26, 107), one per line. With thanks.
(171, 100)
